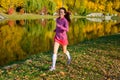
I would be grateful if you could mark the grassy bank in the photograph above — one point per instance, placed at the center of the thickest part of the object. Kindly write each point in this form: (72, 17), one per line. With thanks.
(116, 18)
(16, 16)
(91, 60)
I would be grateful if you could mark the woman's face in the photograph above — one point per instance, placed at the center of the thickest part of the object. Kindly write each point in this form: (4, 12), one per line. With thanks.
(61, 13)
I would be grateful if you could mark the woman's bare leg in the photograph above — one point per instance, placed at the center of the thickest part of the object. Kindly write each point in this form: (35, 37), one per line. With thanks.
(67, 53)
(56, 47)
(54, 57)
(64, 48)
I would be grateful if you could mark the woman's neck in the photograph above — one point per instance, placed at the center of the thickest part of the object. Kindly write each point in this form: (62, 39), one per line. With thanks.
(61, 17)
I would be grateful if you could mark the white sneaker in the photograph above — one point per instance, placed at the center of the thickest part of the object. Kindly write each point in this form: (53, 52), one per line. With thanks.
(52, 68)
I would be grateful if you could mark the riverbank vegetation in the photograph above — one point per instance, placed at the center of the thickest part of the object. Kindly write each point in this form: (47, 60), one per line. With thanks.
(76, 7)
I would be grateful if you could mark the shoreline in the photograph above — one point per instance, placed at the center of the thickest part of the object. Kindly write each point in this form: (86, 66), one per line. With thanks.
(16, 16)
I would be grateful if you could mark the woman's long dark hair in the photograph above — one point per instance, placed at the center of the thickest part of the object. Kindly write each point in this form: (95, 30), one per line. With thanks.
(67, 14)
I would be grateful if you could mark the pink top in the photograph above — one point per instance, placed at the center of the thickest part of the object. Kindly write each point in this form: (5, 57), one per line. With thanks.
(61, 29)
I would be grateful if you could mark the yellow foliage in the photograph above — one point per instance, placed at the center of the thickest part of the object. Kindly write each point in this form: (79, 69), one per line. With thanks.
(115, 29)
(101, 7)
(6, 4)
(58, 3)
(9, 40)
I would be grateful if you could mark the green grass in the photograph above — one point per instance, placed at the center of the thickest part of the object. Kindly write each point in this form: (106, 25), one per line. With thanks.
(16, 16)
(91, 60)
(116, 18)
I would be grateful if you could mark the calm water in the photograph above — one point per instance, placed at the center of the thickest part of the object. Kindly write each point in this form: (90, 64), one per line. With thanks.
(20, 38)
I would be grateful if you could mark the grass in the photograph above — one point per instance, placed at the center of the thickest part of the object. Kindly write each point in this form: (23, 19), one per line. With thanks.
(16, 16)
(116, 18)
(91, 60)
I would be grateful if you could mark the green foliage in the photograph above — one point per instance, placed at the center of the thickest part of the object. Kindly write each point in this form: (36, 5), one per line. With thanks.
(51, 7)
(32, 6)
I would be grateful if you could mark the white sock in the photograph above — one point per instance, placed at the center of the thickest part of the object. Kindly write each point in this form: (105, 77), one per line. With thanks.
(54, 58)
(68, 54)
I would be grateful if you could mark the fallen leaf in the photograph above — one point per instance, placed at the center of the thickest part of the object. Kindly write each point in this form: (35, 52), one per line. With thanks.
(42, 74)
(62, 73)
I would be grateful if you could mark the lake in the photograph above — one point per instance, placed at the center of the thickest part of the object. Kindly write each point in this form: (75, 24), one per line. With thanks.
(22, 38)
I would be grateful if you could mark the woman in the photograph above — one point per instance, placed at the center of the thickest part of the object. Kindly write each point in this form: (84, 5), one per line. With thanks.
(62, 26)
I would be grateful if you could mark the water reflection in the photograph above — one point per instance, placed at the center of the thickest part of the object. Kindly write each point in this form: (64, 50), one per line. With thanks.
(20, 38)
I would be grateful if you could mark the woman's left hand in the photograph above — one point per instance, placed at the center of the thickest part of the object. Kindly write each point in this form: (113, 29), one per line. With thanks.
(58, 25)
